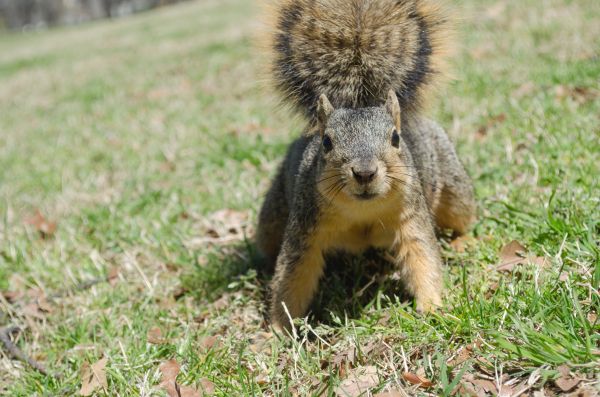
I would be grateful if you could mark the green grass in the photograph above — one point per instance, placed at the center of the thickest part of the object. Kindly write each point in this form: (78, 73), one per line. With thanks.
(131, 133)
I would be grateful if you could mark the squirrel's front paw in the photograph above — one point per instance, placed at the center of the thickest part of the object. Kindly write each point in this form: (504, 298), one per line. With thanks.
(280, 322)
(428, 303)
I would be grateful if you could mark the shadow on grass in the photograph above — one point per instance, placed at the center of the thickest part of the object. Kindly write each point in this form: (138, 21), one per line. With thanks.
(349, 286)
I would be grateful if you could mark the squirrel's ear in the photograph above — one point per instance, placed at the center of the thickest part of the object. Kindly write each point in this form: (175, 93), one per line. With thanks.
(324, 110)
(393, 108)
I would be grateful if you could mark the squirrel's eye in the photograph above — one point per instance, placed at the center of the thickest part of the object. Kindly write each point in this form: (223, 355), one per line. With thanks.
(327, 144)
(395, 139)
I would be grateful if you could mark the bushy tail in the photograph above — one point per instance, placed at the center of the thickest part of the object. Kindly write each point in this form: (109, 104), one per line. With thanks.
(354, 51)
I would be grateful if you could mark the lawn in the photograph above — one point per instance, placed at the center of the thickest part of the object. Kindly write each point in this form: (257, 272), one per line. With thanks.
(134, 155)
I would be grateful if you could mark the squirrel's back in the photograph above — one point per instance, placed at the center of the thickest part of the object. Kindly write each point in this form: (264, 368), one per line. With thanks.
(354, 51)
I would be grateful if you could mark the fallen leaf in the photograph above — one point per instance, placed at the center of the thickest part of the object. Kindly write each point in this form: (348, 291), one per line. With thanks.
(169, 370)
(260, 343)
(460, 244)
(490, 123)
(33, 310)
(208, 342)
(155, 336)
(511, 255)
(359, 381)
(93, 377)
(12, 296)
(345, 357)
(44, 305)
(579, 94)
(565, 381)
(487, 385)
(113, 275)
(261, 379)
(206, 386)
(417, 380)
(45, 227)
(174, 389)
(463, 355)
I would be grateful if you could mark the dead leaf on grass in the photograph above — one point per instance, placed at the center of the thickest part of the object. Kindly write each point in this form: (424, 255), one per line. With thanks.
(169, 371)
(43, 226)
(359, 381)
(514, 253)
(463, 355)
(579, 94)
(112, 276)
(208, 342)
(491, 122)
(260, 343)
(417, 380)
(462, 243)
(206, 386)
(93, 377)
(565, 381)
(155, 336)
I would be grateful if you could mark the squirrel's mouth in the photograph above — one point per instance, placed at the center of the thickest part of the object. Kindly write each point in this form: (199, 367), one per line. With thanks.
(365, 196)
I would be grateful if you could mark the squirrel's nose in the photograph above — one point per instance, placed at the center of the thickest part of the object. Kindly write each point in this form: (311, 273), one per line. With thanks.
(364, 176)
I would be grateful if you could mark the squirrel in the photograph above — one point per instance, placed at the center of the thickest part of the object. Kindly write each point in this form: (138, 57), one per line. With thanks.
(370, 171)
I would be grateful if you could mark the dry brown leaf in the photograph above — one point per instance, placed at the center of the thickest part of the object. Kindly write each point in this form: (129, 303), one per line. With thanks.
(417, 380)
(511, 255)
(113, 275)
(579, 94)
(487, 385)
(344, 357)
(44, 305)
(565, 381)
(12, 296)
(206, 386)
(261, 379)
(174, 389)
(261, 343)
(42, 225)
(460, 244)
(490, 123)
(33, 310)
(155, 336)
(359, 381)
(463, 355)
(93, 377)
(208, 342)
(169, 371)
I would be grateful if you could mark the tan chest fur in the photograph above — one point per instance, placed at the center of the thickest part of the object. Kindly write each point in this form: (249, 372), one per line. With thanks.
(355, 226)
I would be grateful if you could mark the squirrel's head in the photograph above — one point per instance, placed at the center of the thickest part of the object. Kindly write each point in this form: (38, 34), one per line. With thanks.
(361, 150)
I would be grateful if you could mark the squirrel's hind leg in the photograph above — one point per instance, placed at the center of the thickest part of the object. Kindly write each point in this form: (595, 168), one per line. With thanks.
(456, 207)
(271, 223)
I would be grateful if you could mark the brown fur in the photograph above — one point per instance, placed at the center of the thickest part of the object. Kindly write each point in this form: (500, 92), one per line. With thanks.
(354, 51)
